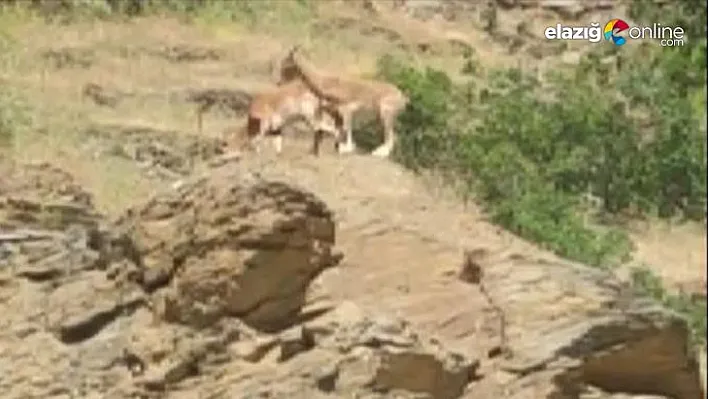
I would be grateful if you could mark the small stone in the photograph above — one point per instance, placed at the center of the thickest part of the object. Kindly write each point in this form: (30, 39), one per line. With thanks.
(296, 340)
(326, 378)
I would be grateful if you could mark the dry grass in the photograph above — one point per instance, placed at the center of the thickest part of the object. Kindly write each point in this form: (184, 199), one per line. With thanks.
(676, 253)
(126, 57)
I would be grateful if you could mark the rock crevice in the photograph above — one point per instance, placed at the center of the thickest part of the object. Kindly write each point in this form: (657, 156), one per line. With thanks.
(202, 291)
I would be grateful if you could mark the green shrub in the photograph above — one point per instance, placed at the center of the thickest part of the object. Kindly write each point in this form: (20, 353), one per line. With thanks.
(529, 161)
(247, 12)
(629, 137)
(429, 108)
(693, 310)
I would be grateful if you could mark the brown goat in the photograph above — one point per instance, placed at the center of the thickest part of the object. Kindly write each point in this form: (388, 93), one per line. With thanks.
(347, 96)
(272, 110)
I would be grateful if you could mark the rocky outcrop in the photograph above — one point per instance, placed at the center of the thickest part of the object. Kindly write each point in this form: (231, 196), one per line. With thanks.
(201, 292)
(57, 298)
(586, 330)
(41, 196)
(345, 353)
(568, 9)
(161, 154)
(232, 245)
(198, 290)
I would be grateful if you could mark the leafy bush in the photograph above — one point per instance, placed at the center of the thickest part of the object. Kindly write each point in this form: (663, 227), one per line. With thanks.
(65, 11)
(693, 310)
(528, 160)
(430, 106)
(606, 139)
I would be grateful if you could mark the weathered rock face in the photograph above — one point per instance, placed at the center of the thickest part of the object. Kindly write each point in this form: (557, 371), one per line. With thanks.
(200, 293)
(570, 9)
(161, 154)
(197, 292)
(397, 358)
(42, 196)
(591, 331)
(232, 246)
(56, 296)
(347, 353)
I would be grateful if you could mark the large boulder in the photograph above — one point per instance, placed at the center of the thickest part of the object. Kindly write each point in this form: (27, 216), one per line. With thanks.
(57, 296)
(202, 291)
(231, 245)
(568, 328)
(345, 353)
(79, 295)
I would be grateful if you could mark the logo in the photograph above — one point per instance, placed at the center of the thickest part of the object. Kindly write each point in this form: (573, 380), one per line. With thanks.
(613, 27)
(666, 36)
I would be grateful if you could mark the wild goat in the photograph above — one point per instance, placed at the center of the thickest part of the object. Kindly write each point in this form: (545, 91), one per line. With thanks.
(270, 111)
(347, 96)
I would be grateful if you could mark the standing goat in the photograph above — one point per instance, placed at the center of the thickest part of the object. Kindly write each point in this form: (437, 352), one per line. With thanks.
(346, 96)
(270, 111)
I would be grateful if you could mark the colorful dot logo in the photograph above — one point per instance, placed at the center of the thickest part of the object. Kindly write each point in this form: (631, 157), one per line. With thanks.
(612, 28)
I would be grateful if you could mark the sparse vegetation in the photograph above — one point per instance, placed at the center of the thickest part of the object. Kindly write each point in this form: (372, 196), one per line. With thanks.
(612, 138)
(15, 117)
(246, 12)
(558, 159)
(693, 310)
(14, 109)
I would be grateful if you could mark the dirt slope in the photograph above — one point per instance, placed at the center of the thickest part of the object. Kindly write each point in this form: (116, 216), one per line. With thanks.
(131, 134)
(402, 253)
(150, 75)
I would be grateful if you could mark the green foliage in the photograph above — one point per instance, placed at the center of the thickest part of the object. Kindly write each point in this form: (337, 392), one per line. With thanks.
(247, 12)
(693, 310)
(628, 136)
(529, 160)
(430, 106)
(675, 102)
(623, 132)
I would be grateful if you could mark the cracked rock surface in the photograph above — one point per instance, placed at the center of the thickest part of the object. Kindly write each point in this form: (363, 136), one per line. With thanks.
(206, 290)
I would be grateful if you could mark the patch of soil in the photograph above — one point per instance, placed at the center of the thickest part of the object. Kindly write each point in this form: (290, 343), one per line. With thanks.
(166, 154)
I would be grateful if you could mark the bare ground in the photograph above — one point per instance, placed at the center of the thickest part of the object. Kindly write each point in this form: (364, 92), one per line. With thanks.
(147, 69)
(401, 236)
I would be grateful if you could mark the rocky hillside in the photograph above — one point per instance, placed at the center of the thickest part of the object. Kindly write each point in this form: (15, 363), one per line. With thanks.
(139, 260)
(214, 288)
